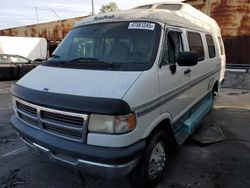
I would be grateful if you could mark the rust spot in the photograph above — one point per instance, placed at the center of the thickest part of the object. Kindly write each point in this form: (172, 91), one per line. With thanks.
(52, 31)
(200, 7)
(233, 17)
(56, 32)
(244, 29)
(229, 15)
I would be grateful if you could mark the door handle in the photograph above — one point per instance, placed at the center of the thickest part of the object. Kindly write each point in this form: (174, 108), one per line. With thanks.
(187, 71)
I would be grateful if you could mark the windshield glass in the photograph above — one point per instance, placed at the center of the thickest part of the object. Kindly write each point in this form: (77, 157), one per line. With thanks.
(129, 45)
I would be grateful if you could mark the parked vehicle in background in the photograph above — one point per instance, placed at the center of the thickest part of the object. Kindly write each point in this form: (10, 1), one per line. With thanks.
(15, 66)
(19, 55)
(122, 90)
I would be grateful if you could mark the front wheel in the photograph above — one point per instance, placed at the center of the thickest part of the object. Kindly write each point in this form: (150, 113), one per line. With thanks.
(153, 162)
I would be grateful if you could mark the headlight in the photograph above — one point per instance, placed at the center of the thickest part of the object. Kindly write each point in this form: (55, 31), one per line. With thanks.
(111, 124)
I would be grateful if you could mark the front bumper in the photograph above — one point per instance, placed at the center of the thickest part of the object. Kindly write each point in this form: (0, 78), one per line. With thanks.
(94, 160)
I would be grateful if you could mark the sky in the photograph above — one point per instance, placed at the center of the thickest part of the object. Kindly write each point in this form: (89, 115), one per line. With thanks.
(16, 13)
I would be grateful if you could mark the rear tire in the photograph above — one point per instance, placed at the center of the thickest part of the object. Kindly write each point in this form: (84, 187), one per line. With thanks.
(213, 97)
(153, 162)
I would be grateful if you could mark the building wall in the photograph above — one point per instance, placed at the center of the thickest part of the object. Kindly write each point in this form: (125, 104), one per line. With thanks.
(52, 31)
(233, 16)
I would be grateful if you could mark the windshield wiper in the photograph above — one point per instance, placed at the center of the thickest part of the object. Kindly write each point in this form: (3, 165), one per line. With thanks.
(91, 60)
(55, 56)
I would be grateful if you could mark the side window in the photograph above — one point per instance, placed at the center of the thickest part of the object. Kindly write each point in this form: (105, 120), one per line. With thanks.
(4, 59)
(221, 46)
(195, 44)
(19, 60)
(210, 46)
(172, 47)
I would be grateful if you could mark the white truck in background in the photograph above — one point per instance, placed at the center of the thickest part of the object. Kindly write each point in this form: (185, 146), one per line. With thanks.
(29, 47)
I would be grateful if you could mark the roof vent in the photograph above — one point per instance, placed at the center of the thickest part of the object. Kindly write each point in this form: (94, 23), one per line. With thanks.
(169, 6)
(144, 7)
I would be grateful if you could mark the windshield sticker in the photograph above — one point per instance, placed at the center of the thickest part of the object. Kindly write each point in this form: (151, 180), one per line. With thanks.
(141, 25)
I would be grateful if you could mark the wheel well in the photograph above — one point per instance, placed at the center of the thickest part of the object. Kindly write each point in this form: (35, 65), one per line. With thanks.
(216, 86)
(166, 126)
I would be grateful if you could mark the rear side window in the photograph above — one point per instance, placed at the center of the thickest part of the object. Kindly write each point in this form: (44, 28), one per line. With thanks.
(195, 44)
(221, 46)
(210, 46)
(144, 7)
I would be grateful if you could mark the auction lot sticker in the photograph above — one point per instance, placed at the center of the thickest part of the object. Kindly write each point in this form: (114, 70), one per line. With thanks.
(141, 25)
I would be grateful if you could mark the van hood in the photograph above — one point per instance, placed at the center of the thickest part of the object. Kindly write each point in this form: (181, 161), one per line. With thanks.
(89, 83)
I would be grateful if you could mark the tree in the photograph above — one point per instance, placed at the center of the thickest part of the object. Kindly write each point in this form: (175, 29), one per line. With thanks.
(110, 7)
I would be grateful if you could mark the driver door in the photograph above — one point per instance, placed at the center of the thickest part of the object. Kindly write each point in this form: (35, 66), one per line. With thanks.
(174, 80)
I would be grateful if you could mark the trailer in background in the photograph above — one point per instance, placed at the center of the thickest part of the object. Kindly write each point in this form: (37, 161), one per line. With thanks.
(19, 55)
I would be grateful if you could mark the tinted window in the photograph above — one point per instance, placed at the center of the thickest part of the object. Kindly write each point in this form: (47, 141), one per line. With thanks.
(172, 47)
(195, 44)
(221, 46)
(210, 46)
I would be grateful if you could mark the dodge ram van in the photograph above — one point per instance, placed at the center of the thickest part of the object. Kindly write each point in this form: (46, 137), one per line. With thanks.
(122, 90)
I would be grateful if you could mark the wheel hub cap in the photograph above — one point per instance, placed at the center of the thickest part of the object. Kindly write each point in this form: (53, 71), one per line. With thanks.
(157, 161)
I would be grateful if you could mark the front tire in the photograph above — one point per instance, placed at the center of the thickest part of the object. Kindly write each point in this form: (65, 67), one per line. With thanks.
(153, 162)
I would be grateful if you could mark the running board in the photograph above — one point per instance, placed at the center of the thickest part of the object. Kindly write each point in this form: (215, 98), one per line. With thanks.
(192, 121)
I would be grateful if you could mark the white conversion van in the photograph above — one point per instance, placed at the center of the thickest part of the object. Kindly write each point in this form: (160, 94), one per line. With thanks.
(122, 90)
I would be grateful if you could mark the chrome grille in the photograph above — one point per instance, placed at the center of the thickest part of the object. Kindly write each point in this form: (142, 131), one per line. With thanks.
(29, 120)
(26, 109)
(60, 123)
(66, 120)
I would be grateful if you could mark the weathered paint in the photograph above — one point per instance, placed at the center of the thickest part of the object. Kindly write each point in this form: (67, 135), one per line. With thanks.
(233, 16)
(52, 31)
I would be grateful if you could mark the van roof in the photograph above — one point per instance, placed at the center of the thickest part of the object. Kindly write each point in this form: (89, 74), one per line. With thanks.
(170, 13)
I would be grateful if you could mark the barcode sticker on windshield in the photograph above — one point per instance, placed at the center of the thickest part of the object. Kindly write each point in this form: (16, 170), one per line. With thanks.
(141, 25)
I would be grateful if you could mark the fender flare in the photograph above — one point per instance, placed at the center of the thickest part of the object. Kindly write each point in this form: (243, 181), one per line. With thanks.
(157, 121)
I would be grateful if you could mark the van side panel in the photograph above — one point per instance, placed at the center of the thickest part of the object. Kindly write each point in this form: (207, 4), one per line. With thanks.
(205, 73)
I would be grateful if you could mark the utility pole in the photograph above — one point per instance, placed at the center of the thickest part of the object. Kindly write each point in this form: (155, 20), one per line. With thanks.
(208, 7)
(38, 29)
(37, 21)
(93, 9)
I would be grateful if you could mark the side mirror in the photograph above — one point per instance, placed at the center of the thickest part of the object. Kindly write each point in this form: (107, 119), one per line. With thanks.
(187, 59)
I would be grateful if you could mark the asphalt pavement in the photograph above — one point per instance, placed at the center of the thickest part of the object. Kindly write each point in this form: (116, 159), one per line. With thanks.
(223, 164)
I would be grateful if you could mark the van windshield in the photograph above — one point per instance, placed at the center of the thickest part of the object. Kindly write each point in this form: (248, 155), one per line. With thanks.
(114, 46)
